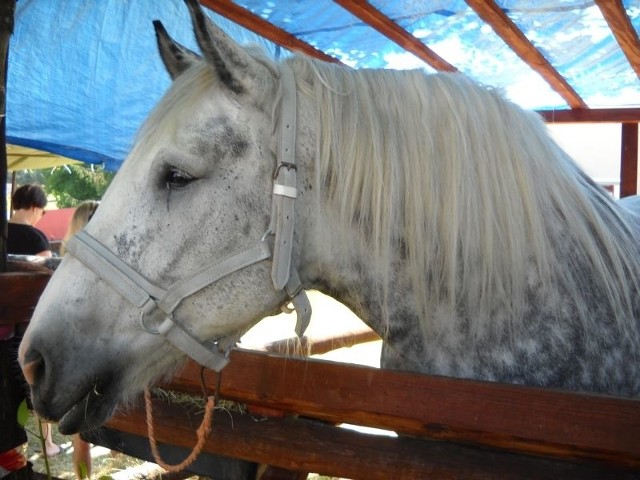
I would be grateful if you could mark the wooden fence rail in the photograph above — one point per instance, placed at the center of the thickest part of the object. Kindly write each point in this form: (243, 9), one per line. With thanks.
(511, 417)
(304, 445)
(448, 428)
(455, 428)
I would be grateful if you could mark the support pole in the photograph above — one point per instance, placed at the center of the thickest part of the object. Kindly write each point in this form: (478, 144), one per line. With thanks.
(629, 160)
(7, 12)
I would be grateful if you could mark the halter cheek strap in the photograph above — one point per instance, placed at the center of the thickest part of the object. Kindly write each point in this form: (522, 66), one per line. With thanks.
(156, 301)
(283, 275)
(284, 183)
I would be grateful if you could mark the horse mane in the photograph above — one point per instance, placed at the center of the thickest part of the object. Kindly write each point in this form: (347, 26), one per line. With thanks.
(466, 187)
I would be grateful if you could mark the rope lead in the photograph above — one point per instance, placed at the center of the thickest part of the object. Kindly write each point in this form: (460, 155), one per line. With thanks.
(202, 433)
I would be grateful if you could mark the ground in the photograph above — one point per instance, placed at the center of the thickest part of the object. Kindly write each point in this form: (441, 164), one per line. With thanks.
(106, 465)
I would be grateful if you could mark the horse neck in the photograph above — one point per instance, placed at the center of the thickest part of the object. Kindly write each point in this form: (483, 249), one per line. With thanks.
(331, 256)
(333, 261)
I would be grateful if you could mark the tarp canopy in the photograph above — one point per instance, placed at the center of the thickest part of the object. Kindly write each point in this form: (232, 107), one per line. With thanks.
(25, 158)
(83, 75)
(572, 35)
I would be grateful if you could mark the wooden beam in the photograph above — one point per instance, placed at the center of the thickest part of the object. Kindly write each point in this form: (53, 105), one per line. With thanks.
(22, 289)
(7, 11)
(511, 417)
(374, 17)
(299, 444)
(20, 293)
(596, 115)
(495, 17)
(618, 20)
(315, 345)
(257, 24)
(629, 160)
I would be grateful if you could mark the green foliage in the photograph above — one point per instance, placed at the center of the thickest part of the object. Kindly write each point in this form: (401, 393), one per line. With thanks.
(23, 413)
(70, 185)
(84, 470)
(74, 184)
(31, 176)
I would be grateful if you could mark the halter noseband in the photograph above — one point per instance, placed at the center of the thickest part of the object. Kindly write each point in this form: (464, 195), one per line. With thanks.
(152, 299)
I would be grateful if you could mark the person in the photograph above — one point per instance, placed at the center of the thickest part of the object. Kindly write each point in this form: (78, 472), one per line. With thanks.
(81, 449)
(29, 202)
(80, 218)
(13, 463)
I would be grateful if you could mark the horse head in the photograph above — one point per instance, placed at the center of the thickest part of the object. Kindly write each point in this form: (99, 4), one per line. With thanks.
(185, 233)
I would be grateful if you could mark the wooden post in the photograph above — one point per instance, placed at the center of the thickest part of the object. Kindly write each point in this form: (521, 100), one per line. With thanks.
(629, 160)
(7, 11)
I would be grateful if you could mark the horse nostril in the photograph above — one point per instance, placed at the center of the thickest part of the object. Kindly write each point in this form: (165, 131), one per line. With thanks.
(33, 366)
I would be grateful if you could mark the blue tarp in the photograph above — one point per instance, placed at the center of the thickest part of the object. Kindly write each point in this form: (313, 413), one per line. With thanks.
(572, 34)
(84, 74)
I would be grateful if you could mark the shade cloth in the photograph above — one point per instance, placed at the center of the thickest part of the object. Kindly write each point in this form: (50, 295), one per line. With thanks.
(83, 75)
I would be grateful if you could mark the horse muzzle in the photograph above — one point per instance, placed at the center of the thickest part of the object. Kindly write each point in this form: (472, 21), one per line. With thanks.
(78, 404)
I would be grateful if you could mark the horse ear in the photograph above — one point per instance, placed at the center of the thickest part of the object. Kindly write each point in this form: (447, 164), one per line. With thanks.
(234, 66)
(175, 57)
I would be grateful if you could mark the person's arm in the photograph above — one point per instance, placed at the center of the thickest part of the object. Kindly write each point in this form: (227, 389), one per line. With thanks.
(42, 245)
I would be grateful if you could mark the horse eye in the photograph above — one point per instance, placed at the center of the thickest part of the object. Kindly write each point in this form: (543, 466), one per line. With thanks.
(176, 178)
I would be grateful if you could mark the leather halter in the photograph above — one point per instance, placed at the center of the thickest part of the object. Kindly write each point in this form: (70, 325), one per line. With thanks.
(153, 300)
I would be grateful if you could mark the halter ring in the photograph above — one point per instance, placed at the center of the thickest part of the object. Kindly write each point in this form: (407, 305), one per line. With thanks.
(144, 327)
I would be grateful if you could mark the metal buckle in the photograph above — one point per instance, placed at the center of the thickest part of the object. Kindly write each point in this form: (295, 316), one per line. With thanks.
(287, 165)
(266, 234)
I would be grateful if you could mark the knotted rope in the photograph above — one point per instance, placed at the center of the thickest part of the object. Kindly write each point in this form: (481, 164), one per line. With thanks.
(202, 433)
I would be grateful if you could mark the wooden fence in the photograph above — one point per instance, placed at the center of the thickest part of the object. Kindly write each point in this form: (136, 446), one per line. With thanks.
(447, 428)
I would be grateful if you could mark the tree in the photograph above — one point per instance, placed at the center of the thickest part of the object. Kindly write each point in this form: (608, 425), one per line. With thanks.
(72, 184)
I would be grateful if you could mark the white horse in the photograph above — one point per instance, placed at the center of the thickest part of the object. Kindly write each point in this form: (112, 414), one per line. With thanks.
(440, 213)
